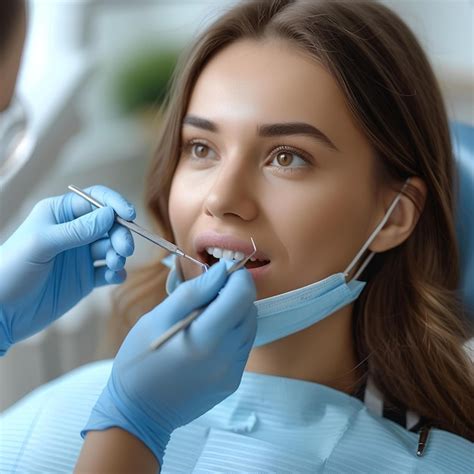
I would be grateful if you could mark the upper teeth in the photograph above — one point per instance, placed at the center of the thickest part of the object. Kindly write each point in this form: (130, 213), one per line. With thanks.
(225, 254)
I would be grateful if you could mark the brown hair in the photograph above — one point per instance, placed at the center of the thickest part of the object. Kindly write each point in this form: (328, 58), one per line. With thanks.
(10, 14)
(407, 323)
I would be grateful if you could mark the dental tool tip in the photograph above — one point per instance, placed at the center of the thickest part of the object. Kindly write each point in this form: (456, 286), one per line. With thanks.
(204, 266)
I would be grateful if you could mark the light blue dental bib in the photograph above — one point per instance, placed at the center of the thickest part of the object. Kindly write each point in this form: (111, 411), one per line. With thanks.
(281, 315)
(269, 425)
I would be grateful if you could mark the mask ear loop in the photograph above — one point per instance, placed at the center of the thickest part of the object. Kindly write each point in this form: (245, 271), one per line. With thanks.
(372, 237)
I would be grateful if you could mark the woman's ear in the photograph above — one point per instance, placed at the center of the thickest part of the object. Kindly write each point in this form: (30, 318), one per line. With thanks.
(404, 217)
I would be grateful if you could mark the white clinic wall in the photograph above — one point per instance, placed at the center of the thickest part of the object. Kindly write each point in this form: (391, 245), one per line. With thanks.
(445, 29)
(70, 49)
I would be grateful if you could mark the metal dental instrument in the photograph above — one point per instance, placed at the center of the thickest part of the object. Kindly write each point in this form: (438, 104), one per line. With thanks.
(184, 323)
(156, 239)
(423, 439)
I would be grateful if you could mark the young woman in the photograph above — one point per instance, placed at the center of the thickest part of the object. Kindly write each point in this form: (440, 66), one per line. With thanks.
(298, 123)
(318, 129)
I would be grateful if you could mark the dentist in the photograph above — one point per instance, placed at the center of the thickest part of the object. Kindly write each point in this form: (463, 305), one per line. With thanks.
(48, 265)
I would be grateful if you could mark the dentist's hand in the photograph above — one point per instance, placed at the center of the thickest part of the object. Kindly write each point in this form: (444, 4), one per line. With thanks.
(190, 373)
(47, 265)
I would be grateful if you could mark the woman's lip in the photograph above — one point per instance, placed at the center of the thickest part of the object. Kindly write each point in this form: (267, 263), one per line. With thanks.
(208, 239)
(258, 272)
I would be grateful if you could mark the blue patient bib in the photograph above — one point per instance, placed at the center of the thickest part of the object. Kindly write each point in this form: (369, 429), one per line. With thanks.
(269, 425)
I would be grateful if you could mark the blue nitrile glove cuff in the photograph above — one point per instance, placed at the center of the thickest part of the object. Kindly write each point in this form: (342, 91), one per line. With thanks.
(109, 411)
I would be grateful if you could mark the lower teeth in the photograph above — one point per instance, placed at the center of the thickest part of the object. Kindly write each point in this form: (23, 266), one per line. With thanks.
(249, 264)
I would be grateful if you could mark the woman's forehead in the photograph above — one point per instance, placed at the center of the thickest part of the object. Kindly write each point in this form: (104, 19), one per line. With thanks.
(250, 83)
(250, 78)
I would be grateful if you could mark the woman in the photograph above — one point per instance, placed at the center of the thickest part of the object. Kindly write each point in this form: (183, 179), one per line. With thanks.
(378, 100)
(316, 128)
(354, 71)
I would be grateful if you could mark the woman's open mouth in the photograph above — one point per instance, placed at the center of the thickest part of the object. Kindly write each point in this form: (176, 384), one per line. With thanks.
(211, 246)
(212, 255)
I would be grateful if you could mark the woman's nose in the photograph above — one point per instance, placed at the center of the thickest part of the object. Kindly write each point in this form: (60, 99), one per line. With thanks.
(232, 193)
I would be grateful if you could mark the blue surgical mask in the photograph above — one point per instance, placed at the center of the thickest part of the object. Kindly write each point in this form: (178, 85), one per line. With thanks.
(287, 313)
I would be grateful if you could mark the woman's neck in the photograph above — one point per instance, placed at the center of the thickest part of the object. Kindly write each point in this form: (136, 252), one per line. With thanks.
(323, 353)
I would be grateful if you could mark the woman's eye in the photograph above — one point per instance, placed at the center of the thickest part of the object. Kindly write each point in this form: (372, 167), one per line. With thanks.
(199, 151)
(288, 159)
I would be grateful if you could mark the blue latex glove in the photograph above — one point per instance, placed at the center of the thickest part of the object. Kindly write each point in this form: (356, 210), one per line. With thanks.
(47, 265)
(190, 373)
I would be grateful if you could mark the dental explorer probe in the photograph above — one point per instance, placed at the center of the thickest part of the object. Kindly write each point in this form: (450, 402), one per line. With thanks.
(156, 239)
(184, 323)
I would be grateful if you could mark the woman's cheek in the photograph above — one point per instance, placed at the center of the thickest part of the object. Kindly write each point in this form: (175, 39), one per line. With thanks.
(176, 207)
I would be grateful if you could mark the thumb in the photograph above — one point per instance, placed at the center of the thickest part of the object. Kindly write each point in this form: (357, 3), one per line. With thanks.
(193, 294)
(81, 231)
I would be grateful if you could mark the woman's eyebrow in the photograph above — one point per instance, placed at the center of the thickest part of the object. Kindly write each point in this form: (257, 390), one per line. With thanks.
(268, 130)
(295, 128)
(199, 122)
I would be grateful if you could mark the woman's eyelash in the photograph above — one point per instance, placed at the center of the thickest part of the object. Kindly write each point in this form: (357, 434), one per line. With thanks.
(293, 151)
(188, 144)
(188, 151)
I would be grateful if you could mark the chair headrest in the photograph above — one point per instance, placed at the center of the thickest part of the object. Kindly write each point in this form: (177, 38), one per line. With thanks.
(463, 146)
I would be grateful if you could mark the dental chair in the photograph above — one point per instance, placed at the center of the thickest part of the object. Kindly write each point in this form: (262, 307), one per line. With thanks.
(463, 146)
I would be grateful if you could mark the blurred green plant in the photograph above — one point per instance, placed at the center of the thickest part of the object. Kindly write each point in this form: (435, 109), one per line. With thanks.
(142, 81)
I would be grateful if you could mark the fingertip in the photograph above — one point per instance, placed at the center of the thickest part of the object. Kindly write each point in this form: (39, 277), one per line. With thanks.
(132, 213)
(228, 263)
(122, 207)
(126, 210)
(130, 244)
(113, 199)
(114, 261)
(215, 273)
(202, 289)
(122, 241)
(219, 266)
(115, 277)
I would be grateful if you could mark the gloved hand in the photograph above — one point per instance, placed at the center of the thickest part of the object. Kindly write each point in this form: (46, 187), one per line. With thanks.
(191, 372)
(47, 265)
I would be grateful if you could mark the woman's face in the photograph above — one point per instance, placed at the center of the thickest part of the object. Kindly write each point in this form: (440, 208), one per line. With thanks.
(270, 151)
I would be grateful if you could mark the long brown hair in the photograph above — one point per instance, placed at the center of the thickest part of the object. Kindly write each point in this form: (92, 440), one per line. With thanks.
(407, 323)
